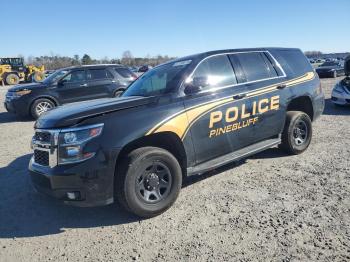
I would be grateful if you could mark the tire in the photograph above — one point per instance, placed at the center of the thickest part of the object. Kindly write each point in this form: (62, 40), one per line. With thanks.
(41, 106)
(118, 93)
(37, 77)
(297, 133)
(12, 79)
(143, 172)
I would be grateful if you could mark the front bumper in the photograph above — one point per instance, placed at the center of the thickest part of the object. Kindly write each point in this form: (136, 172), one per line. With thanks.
(92, 180)
(17, 106)
(340, 98)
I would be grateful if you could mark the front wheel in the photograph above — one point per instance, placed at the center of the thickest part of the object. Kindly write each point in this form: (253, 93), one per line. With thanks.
(118, 93)
(41, 106)
(297, 133)
(148, 181)
(12, 79)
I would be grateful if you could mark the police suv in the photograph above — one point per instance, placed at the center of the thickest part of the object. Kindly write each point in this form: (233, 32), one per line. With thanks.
(181, 118)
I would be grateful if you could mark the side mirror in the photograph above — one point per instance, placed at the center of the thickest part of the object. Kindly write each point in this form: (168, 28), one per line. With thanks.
(61, 82)
(196, 85)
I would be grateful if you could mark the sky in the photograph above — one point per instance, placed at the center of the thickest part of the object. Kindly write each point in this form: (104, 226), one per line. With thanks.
(107, 28)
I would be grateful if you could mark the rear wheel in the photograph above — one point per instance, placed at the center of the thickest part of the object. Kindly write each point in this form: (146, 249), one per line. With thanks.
(297, 133)
(41, 106)
(149, 181)
(12, 79)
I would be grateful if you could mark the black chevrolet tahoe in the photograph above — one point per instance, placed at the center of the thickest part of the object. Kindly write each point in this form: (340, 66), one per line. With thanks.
(68, 85)
(184, 117)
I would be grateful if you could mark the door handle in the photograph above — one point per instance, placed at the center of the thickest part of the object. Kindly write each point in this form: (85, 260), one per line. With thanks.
(83, 85)
(239, 96)
(281, 86)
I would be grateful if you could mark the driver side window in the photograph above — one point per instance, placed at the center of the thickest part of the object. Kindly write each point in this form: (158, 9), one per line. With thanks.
(75, 76)
(216, 71)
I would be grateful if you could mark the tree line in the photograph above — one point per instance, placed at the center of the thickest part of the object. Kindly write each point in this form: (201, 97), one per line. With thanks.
(319, 54)
(52, 62)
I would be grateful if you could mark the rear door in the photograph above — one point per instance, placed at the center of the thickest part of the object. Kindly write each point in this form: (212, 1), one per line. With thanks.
(125, 76)
(100, 82)
(265, 97)
(73, 87)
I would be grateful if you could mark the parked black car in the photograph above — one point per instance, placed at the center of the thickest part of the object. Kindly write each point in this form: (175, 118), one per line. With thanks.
(68, 85)
(330, 69)
(144, 68)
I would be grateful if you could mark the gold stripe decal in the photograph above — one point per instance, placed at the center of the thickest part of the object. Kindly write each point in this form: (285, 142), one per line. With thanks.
(180, 122)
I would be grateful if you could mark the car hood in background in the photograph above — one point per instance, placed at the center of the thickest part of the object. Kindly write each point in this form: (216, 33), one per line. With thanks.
(327, 68)
(71, 114)
(30, 86)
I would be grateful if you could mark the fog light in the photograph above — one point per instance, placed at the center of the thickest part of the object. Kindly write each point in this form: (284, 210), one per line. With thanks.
(73, 151)
(73, 195)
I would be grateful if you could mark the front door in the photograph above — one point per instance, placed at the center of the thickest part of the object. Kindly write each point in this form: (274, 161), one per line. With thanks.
(208, 111)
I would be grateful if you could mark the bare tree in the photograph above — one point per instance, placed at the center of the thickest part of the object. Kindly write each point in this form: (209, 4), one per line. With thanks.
(127, 58)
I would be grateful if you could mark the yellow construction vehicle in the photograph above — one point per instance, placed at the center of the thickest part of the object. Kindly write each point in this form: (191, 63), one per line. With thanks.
(13, 71)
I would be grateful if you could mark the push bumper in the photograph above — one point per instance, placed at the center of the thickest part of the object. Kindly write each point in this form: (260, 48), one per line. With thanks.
(87, 184)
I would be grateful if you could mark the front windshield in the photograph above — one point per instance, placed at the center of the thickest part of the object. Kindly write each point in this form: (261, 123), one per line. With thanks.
(158, 81)
(55, 76)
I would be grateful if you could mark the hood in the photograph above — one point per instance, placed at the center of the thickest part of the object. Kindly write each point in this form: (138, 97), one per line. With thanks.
(71, 114)
(326, 68)
(30, 86)
(347, 66)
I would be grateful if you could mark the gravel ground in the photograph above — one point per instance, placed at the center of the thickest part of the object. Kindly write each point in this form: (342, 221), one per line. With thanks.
(268, 207)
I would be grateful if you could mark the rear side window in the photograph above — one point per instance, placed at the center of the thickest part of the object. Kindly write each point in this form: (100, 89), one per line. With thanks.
(295, 61)
(217, 70)
(124, 72)
(98, 74)
(255, 66)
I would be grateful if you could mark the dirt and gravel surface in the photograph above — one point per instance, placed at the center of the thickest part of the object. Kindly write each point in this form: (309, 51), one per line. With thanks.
(268, 207)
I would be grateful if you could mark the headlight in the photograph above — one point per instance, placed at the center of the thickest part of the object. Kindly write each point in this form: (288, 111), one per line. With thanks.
(71, 143)
(338, 88)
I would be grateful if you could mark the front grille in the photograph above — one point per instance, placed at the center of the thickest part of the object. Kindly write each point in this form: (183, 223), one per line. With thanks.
(41, 157)
(42, 136)
(41, 180)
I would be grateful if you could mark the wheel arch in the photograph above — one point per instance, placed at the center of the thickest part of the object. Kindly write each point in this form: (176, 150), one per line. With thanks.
(165, 140)
(303, 104)
(12, 72)
(51, 98)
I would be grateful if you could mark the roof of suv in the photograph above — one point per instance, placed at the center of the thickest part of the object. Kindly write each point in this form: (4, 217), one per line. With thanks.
(93, 66)
(214, 52)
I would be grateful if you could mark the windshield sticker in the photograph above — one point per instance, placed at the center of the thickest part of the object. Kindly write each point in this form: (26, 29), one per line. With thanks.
(182, 63)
